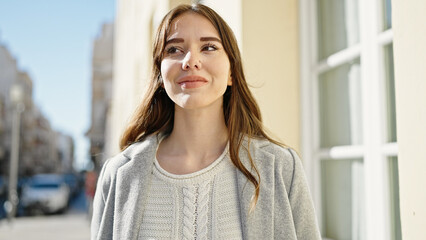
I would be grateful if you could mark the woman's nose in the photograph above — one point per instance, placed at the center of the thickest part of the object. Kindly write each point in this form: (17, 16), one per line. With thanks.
(191, 61)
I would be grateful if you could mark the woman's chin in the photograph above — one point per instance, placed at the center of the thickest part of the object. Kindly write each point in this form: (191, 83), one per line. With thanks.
(200, 103)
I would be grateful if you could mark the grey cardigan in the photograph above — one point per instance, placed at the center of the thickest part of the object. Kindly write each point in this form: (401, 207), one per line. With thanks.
(284, 209)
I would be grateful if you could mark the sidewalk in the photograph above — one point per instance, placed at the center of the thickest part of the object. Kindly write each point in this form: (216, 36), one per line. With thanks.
(72, 226)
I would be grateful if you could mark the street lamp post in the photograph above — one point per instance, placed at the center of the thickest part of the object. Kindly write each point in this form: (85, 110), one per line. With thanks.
(17, 99)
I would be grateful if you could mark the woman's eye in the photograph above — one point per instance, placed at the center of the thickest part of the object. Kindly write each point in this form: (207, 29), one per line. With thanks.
(172, 50)
(210, 47)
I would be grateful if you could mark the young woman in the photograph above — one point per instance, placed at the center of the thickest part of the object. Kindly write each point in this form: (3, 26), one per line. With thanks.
(196, 161)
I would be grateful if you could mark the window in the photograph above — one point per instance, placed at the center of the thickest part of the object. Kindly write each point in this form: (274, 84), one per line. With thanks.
(349, 125)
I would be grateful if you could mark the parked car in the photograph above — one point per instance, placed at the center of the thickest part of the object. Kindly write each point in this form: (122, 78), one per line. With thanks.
(47, 193)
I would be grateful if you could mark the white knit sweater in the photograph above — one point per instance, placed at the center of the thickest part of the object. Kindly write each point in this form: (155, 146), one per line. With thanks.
(200, 205)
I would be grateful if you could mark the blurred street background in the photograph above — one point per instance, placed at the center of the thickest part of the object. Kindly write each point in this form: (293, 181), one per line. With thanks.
(67, 227)
(72, 224)
(53, 54)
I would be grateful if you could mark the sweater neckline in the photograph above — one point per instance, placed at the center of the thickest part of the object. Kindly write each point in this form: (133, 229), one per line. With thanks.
(204, 173)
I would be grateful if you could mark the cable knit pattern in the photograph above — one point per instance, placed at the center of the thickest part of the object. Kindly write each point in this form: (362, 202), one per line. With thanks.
(202, 209)
(189, 207)
(199, 205)
(195, 211)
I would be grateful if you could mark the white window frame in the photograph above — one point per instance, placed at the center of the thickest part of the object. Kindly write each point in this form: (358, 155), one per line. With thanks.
(374, 150)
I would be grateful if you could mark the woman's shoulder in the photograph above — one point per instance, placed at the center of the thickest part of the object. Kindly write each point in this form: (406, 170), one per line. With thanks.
(135, 152)
(280, 152)
(285, 161)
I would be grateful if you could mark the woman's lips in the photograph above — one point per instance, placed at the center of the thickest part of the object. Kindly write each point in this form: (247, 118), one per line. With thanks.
(192, 82)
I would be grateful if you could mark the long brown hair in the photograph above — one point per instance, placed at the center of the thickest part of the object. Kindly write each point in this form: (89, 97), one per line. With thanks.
(242, 115)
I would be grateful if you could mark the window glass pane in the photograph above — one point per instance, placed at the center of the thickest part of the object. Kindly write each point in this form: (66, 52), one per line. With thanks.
(390, 94)
(337, 26)
(394, 199)
(387, 14)
(340, 106)
(342, 199)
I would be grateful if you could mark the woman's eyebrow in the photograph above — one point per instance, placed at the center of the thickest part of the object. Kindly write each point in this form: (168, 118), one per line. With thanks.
(174, 40)
(207, 39)
(203, 39)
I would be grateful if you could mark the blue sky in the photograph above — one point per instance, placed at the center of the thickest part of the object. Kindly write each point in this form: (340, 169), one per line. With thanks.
(52, 41)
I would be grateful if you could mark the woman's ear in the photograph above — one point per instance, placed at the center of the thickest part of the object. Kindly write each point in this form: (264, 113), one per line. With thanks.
(161, 80)
(230, 79)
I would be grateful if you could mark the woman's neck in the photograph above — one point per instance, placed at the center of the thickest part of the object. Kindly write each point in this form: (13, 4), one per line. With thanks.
(198, 138)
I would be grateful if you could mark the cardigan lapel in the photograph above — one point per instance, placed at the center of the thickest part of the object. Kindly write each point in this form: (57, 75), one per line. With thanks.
(258, 224)
(133, 179)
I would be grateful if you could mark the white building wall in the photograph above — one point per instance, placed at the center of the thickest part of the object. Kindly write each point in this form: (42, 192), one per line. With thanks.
(409, 28)
(231, 12)
(127, 68)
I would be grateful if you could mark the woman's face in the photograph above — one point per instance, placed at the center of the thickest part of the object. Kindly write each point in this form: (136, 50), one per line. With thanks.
(195, 67)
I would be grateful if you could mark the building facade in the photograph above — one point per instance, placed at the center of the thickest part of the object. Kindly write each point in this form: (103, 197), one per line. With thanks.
(102, 73)
(8, 74)
(39, 150)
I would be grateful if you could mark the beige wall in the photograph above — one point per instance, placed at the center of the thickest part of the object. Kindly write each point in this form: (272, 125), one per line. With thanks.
(409, 28)
(267, 35)
(271, 61)
(231, 12)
